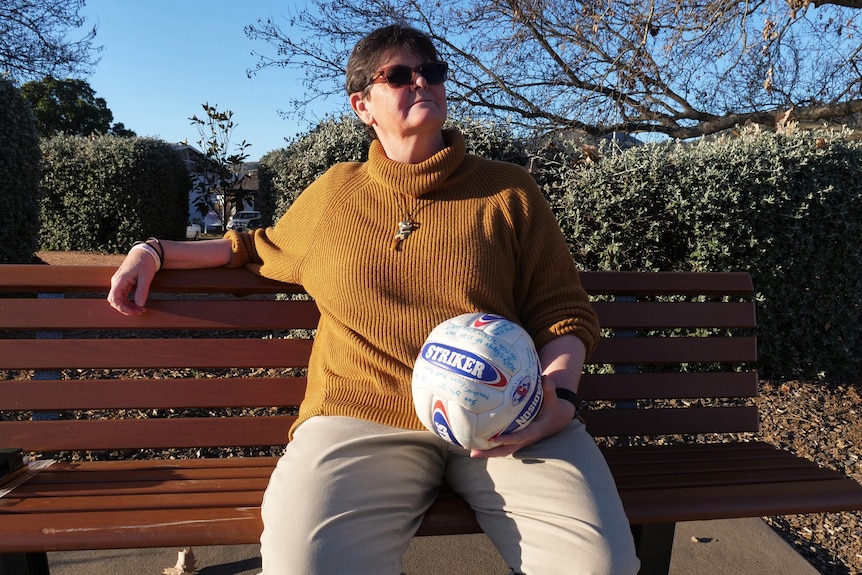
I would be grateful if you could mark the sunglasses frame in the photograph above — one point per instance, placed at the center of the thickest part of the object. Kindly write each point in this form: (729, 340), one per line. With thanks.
(382, 76)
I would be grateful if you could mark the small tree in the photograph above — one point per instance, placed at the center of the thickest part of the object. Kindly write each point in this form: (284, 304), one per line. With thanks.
(218, 169)
(69, 107)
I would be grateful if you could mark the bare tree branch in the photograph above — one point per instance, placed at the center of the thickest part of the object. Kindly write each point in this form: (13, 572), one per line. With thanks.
(34, 39)
(683, 68)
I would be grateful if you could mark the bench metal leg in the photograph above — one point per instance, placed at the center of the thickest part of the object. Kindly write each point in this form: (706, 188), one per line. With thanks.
(24, 564)
(654, 544)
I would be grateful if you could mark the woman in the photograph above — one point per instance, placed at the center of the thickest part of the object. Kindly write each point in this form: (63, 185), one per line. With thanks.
(388, 249)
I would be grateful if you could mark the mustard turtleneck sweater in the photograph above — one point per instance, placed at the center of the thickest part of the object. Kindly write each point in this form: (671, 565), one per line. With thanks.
(486, 241)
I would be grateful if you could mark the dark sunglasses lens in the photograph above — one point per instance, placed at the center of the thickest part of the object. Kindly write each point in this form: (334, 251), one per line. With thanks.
(434, 73)
(399, 76)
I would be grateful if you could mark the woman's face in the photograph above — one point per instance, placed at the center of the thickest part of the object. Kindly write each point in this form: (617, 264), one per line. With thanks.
(405, 112)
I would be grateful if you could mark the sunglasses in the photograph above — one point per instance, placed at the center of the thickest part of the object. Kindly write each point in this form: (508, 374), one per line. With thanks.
(403, 76)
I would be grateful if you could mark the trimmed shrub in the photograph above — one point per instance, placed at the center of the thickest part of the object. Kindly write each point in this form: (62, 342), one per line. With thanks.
(20, 165)
(290, 170)
(104, 193)
(786, 208)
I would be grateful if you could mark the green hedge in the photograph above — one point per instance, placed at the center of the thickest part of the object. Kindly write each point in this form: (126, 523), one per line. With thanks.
(20, 165)
(786, 208)
(288, 171)
(104, 193)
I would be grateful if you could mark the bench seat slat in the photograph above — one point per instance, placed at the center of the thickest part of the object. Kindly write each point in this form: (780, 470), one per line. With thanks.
(49, 436)
(160, 464)
(96, 314)
(130, 529)
(238, 525)
(832, 494)
(619, 456)
(204, 495)
(153, 353)
(151, 469)
(186, 489)
(60, 395)
(89, 495)
(85, 496)
(740, 477)
(219, 525)
(669, 421)
(128, 485)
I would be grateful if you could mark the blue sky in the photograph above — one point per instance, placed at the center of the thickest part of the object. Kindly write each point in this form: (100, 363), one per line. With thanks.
(162, 60)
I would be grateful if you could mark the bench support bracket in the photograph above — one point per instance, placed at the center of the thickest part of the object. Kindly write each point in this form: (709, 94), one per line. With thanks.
(24, 563)
(654, 544)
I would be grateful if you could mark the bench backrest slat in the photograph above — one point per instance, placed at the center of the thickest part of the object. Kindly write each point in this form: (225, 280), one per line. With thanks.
(736, 284)
(68, 279)
(226, 353)
(71, 314)
(89, 314)
(628, 386)
(668, 315)
(113, 434)
(153, 353)
(675, 350)
(661, 421)
(211, 393)
(97, 279)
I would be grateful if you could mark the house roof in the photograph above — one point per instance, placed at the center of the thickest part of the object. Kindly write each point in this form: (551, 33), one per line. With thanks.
(250, 182)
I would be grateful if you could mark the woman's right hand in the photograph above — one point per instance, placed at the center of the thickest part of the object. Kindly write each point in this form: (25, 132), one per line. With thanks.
(135, 273)
(137, 270)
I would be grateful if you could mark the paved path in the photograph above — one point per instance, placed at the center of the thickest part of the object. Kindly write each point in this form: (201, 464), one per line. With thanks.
(729, 547)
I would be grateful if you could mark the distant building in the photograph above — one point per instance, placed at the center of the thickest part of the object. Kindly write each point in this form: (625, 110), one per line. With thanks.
(247, 190)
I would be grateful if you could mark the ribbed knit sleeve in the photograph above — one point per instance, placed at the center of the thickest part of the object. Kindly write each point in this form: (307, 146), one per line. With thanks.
(280, 251)
(549, 295)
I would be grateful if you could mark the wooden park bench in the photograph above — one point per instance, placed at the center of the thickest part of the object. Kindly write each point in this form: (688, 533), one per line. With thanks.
(165, 427)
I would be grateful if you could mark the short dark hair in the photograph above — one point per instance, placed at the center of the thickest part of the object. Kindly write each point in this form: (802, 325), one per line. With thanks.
(365, 59)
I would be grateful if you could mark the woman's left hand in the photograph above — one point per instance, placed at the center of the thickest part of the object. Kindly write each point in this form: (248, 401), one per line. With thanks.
(555, 415)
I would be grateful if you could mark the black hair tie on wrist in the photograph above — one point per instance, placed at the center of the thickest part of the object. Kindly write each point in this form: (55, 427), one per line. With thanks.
(158, 247)
(571, 397)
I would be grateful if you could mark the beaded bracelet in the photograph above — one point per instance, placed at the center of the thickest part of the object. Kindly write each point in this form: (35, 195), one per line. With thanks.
(150, 250)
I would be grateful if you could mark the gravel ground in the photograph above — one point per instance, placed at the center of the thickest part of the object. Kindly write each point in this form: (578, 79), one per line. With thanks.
(816, 420)
(820, 422)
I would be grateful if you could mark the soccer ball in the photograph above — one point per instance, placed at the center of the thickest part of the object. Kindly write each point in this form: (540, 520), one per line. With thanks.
(477, 377)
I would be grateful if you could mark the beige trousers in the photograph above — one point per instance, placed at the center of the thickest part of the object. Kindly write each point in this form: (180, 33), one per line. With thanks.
(348, 495)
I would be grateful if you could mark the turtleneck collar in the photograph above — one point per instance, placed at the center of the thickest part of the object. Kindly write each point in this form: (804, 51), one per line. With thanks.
(417, 179)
